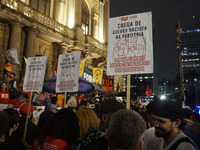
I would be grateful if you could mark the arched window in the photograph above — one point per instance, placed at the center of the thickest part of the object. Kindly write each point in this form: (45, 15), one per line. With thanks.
(42, 6)
(85, 18)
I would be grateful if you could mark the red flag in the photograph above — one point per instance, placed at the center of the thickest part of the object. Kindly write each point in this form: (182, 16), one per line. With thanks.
(9, 66)
(55, 67)
(148, 92)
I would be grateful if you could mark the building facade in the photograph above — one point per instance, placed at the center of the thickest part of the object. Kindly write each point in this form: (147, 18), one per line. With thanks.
(53, 27)
(191, 57)
(191, 64)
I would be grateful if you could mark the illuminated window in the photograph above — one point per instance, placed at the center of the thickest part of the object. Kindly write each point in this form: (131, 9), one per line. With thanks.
(85, 18)
(42, 6)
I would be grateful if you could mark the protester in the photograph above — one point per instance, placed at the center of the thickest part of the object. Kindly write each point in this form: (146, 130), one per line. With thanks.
(47, 115)
(168, 121)
(72, 101)
(106, 109)
(7, 79)
(4, 94)
(35, 98)
(17, 91)
(91, 137)
(125, 131)
(11, 142)
(3, 128)
(16, 103)
(32, 129)
(60, 132)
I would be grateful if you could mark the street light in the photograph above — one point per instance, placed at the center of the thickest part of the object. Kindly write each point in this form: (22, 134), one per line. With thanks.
(181, 78)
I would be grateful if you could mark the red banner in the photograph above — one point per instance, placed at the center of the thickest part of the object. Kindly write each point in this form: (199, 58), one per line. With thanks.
(148, 92)
(107, 84)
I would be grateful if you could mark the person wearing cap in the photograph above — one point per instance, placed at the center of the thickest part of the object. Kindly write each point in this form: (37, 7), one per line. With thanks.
(106, 109)
(32, 129)
(168, 119)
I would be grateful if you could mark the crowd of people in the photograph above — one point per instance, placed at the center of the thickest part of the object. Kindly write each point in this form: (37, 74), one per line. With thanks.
(88, 122)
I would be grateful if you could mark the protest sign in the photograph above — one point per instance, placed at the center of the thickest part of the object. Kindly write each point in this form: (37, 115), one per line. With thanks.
(34, 76)
(97, 74)
(81, 69)
(68, 72)
(130, 48)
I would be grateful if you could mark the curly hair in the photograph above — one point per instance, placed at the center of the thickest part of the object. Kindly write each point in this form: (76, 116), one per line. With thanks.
(87, 119)
(64, 125)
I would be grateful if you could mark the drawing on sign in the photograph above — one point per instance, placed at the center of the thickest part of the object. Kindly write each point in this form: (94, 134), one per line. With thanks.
(67, 74)
(129, 47)
(97, 74)
(34, 73)
(130, 55)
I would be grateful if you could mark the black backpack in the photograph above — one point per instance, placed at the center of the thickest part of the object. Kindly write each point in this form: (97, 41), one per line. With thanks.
(175, 145)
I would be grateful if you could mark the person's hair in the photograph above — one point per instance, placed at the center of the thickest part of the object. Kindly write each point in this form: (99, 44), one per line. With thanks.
(2, 84)
(126, 130)
(83, 103)
(13, 73)
(24, 95)
(64, 125)
(88, 119)
(13, 117)
(3, 123)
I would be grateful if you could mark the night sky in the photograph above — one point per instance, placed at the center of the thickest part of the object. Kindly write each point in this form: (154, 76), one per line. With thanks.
(165, 14)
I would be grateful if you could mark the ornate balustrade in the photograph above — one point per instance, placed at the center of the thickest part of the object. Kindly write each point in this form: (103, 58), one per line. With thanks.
(37, 17)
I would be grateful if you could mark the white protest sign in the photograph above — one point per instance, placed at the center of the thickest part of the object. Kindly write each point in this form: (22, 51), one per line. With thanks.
(68, 72)
(130, 45)
(34, 76)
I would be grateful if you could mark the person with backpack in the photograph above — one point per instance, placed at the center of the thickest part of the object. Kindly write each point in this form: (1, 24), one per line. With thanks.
(168, 117)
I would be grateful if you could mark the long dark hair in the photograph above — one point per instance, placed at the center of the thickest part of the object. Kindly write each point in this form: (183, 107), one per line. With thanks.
(64, 125)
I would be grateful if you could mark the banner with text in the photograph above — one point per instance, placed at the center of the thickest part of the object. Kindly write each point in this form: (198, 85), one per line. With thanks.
(107, 84)
(130, 44)
(68, 72)
(34, 76)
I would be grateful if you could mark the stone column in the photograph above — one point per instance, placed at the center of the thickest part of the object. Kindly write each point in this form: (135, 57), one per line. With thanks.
(63, 49)
(15, 42)
(95, 26)
(106, 18)
(15, 39)
(59, 11)
(52, 8)
(78, 12)
(30, 45)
